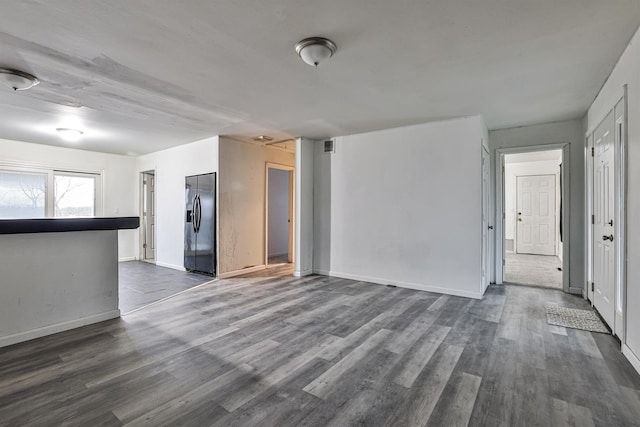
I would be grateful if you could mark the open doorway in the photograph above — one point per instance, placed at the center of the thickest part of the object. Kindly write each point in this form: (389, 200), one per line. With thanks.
(533, 229)
(279, 214)
(148, 216)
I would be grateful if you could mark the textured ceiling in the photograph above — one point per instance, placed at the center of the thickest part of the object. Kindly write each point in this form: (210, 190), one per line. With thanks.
(138, 76)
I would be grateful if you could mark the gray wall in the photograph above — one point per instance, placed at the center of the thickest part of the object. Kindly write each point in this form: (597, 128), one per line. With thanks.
(51, 282)
(571, 132)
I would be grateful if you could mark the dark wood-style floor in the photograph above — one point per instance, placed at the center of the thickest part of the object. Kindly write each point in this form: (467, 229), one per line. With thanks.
(142, 283)
(316, 351)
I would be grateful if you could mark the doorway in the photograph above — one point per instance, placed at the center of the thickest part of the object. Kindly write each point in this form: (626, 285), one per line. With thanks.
(533, 228)
(148, 216)
(279, 214)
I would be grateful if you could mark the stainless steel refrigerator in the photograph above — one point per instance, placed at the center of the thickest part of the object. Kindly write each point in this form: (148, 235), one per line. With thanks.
(200, 225)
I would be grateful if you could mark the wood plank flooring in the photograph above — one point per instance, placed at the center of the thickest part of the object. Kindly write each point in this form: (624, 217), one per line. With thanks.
(142, 283)
(317, 351)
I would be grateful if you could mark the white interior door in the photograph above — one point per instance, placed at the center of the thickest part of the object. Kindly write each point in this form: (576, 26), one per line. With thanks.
(536, 218)
(149, 216)
(603, 211)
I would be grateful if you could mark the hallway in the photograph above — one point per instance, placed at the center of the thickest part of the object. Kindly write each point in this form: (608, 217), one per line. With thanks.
(538, 270)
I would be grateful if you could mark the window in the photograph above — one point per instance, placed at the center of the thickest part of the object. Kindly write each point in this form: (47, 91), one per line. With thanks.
(22, 194)
(74, 194)
(48, 193)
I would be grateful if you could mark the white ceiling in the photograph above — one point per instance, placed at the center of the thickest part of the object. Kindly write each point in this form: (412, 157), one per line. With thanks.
(143, 75)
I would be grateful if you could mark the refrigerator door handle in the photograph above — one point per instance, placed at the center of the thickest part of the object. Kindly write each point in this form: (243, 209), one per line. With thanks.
(199, 212)
(194, 219)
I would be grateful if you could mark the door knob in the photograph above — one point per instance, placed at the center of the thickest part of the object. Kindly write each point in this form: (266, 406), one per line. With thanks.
(491, 227)
(610, 223)
(520, 219)
(609, 237)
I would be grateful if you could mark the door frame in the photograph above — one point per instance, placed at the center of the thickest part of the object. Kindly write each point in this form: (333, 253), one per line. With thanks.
(141, 230)
(486, 217)
(621, 177)
(292, 193)
(566, 209)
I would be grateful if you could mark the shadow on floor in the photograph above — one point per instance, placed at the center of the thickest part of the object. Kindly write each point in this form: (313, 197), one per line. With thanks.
(142, 283)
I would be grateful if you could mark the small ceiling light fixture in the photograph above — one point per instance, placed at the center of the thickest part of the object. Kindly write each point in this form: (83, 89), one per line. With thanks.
(314, 50)
(71, 135)
(263, 138)
(17, 80)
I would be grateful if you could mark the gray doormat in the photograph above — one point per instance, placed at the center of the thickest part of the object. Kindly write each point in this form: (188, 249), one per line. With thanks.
(587, 320)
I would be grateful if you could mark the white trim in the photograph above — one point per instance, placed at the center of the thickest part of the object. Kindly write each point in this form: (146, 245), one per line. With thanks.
(631, 357)
(241, 271)
(408, 285)
(172, 266)
(566, 197)
(322, 272)
(127, 258)
(292, 204)
(50, 173)
(58, 327)
(302, 273)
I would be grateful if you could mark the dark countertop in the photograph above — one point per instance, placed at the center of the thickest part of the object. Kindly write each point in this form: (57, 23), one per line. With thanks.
(57, 225)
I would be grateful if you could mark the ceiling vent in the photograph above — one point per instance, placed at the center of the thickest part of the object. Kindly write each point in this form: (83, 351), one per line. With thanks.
(329, 146)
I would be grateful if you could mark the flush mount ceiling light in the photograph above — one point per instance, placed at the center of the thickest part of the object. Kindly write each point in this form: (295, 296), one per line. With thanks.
(314, 50)
(71, 135)
(263, 138)
(17, 80)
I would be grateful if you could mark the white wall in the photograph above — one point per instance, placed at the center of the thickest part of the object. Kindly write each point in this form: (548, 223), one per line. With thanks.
(404, 206)
(321, 209)
(278, 230)
(304, 199)
(565, 132)
(242, 202)
(627, 71)
(171, 167)
(511, 172)
(119, 187)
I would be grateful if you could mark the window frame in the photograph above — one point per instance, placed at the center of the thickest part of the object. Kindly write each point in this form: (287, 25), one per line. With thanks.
(97, 194)
(50, 173)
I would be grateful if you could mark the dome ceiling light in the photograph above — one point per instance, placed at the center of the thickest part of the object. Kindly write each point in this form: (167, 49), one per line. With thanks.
(71, 135)
(262, 138)
(314, 50)
(17, 80)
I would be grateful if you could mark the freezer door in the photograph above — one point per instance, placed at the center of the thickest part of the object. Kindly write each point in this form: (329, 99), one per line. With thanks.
(190, 235)
(206, 224)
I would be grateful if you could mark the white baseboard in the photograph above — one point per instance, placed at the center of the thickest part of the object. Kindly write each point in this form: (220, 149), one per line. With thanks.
(322, 272)
(58, 327)
(574, 290)
(127, 258)
(302, 273)
(408, 285)
(243, 271)
(630, 355)
(172, 266)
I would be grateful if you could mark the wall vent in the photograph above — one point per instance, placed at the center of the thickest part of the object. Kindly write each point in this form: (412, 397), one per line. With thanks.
(329, 146)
